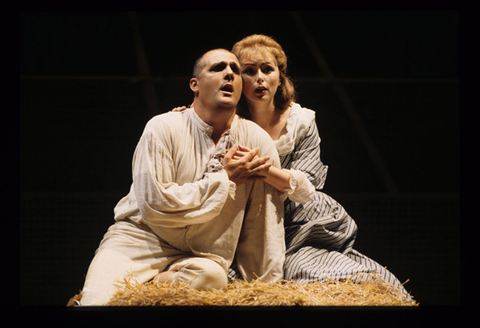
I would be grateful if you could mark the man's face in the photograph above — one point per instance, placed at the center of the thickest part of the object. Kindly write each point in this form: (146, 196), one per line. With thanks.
(219, 84)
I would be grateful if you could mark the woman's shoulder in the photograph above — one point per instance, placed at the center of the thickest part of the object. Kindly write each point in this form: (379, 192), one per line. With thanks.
(301, 114)
(300, 120)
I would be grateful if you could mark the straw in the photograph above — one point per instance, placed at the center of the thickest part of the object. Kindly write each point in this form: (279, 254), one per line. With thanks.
(364, 290)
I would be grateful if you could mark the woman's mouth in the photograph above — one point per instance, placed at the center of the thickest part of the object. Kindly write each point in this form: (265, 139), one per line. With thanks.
(260, 90)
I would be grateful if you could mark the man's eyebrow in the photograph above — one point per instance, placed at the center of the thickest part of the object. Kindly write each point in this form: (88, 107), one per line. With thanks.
(221, 65)
(218, 65)
(235, 67)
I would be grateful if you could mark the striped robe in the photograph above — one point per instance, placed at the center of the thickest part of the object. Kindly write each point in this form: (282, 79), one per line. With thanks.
(319, 233)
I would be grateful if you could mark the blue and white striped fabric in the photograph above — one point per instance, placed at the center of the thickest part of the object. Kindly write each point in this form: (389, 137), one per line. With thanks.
(319, 233)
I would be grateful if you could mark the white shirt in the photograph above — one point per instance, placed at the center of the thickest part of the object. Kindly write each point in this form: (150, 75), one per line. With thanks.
(199, 210)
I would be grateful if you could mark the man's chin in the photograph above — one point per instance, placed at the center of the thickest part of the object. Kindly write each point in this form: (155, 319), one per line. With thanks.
(228, 103)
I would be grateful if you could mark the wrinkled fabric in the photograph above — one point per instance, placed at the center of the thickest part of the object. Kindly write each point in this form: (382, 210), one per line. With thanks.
(193, 209)
(182, 199)
(319, 233)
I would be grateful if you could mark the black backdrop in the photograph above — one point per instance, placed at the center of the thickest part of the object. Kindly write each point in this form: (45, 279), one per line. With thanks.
(384, 85)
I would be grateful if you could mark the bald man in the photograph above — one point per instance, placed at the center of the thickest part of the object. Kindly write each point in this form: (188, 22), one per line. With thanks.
(194, 207)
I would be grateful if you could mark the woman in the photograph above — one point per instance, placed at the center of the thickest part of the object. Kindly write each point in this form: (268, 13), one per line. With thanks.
(319, 232)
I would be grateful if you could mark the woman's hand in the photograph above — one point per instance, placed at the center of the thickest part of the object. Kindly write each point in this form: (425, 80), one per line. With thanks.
(179, 109)
(256, 161)
(243, 165)
(277, 178)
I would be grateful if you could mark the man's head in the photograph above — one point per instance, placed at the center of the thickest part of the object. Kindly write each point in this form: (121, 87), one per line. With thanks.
(216, 80)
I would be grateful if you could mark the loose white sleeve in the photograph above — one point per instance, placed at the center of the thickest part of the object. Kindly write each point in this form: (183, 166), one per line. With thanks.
(165, 203)
(301, 189)
(261, 247)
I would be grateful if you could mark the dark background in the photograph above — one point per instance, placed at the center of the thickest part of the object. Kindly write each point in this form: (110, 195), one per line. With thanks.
(384, 85)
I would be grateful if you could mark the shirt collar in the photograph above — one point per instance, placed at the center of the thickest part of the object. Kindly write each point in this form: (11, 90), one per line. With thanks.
(208, 129)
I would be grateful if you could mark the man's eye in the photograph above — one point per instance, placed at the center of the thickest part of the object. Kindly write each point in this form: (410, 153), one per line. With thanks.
(219, 67)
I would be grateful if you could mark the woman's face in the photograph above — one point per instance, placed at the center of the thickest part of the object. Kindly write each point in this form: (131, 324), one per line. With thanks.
(260, 76)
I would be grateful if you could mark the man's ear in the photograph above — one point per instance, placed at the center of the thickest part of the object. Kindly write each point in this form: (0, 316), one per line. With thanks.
(194, 85)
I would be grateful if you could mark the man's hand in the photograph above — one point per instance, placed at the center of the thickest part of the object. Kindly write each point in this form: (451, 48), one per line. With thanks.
(243, 165)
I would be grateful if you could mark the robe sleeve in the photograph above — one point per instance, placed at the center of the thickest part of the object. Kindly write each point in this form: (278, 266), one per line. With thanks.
(306, 160)
(165, 203)
(261, 247)
(301, 189)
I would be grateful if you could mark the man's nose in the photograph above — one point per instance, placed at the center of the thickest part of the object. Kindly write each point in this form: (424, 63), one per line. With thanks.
(229, 75)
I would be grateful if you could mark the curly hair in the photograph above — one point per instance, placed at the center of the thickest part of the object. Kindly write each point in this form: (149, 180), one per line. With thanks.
(266, 45)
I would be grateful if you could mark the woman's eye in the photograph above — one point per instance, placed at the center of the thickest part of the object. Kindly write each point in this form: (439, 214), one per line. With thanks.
(268, 70)
(249, 71)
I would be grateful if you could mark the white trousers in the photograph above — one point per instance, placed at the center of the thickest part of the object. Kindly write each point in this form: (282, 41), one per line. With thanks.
(131, 251)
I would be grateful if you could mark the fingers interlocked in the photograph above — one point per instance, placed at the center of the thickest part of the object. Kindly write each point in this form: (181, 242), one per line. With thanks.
(243, 164)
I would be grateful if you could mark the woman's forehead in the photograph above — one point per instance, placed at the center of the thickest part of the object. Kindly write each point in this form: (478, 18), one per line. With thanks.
(251, 56)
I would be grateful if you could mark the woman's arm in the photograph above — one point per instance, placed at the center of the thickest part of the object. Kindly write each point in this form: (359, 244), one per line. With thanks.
(279, 179)
(276, 177)
(306, 158)
(306, 171)
(293, 183)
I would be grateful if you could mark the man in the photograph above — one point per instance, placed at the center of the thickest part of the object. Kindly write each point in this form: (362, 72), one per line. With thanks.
(194, 204)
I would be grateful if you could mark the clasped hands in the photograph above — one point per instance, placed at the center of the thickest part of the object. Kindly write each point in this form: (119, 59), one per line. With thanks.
(243, 164)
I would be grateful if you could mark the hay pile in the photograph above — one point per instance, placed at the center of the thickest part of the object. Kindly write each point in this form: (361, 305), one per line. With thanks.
(374, 292)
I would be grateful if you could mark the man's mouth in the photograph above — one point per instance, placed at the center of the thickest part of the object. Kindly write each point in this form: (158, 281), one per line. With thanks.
(227, 87)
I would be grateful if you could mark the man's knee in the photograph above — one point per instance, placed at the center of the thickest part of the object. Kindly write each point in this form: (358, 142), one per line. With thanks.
(213, 277)
(201, 274)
